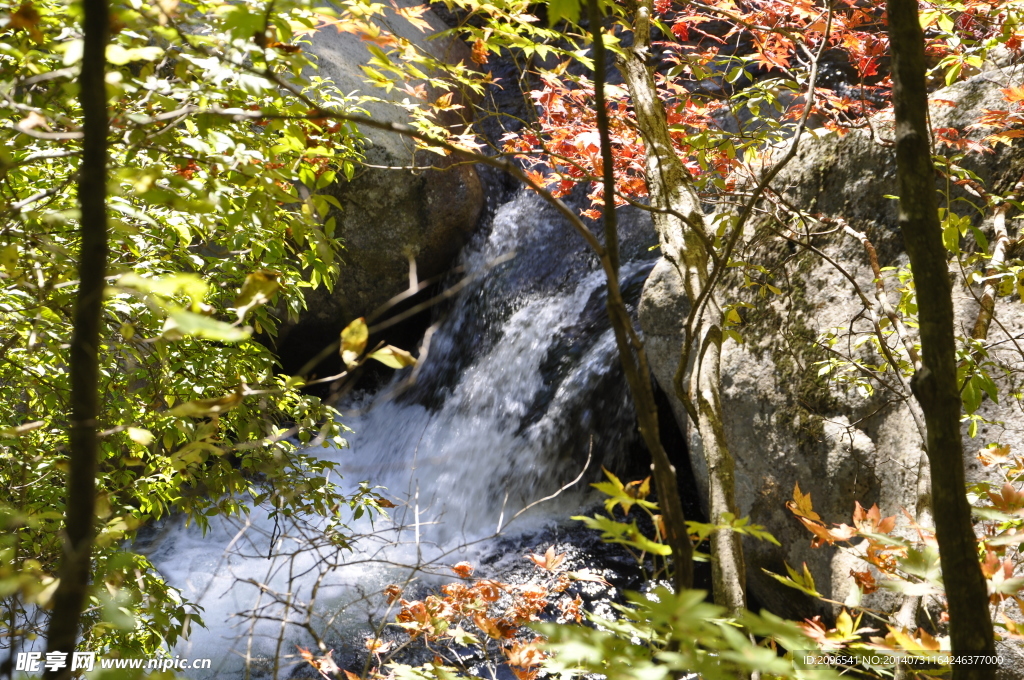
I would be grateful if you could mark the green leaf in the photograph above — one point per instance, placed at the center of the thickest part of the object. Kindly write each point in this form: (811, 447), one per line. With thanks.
(951, 237)
(9, 257)
(461, 637)
(971, 395)
(181, 322)
(923, 563)
(563, 9)
(804, 582)
(191, 286)
(626, 534)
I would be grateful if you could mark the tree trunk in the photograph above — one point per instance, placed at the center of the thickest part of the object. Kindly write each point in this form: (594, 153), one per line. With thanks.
(631, 351)
(70, 596)
(935, 384)
(677, 219)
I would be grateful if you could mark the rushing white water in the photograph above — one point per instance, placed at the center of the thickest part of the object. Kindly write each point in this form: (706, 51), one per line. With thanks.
(521, 382)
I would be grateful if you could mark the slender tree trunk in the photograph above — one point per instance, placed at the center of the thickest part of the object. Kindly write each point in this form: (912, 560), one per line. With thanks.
(69, 599)
(670, 189)
(631, 350)
(935, 384)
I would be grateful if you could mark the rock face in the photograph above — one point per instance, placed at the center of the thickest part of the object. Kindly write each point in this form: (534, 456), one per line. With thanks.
(389, 215)
(786, 424)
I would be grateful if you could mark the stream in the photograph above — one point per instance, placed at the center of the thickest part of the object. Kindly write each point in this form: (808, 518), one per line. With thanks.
(520, 385)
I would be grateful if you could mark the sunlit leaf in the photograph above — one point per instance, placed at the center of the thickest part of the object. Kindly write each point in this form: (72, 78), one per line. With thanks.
(181, 322)
(208, 407)
(140, 436)
(353, 341)
(23, 429)
(568, 10)
(393, 357)
(257, 290)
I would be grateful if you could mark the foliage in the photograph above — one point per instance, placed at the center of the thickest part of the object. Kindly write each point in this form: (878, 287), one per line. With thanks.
(220, 149)
(731, 111)
(643, 547)
(216, 232)
(909, 565)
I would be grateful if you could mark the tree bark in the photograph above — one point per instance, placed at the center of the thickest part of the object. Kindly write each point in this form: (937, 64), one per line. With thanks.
(631, 351)
(69, 599)
(935, 384)
(680, 222)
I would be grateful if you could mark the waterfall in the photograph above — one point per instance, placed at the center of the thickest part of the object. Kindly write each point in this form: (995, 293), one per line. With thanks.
(520, 384)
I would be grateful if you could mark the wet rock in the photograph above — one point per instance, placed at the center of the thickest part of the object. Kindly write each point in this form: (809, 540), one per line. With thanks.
(389, 215)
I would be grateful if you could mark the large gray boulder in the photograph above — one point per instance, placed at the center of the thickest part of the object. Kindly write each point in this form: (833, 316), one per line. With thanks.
(785, 423)
(389, 215)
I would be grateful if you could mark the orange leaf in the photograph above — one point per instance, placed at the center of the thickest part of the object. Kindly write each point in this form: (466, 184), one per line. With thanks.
(842, 532)
(549, 561)
(801, 504)
(865, 581)
(463, 569)
(26, 17)
(488, 591)
(821, 534)
(413, 15)
(1008, 499)
(324, 665)
(479, 55)
(1013, 94)
(996, 454)
(870, 521)
(991, 565)
(489, 626)
(392, 593)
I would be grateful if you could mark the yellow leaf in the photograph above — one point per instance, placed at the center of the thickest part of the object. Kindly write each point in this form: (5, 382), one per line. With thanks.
(257, 290)
(801, 504)
(140, 435)
(353, 341)
(613, 478)
(9, 258)
(19, 430)
(413, 16)
(393, 357)
(844, 624)
(208, 407)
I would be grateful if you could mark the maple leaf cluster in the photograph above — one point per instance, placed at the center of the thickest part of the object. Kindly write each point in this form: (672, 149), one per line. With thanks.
(475, 612)
(912, 566)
